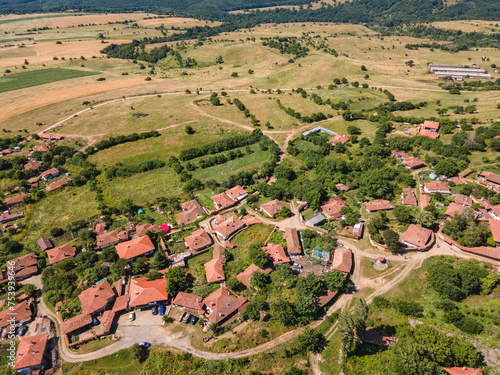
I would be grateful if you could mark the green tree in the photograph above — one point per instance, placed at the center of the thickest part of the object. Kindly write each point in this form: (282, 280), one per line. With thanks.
(335, 281)
(139, 266)
(359, 316)
(257, 256)
(413, 359)
(425, 219)
(391, 239)
(346, 330)
(176, 281)
(189, 129)
(139, 353)
(311, 341)
(403, 214)
(159, 261)
(260, 280)
(283, 311)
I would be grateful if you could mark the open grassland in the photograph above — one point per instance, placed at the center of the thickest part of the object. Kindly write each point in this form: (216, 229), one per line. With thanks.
(35, 78)
(470, 26)
(58, 209)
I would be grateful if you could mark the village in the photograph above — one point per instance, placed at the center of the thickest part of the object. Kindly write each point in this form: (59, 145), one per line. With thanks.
(104, 308)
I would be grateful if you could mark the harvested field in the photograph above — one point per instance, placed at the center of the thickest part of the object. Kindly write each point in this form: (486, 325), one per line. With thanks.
(99, 19)
(43, 100)
(176, 22)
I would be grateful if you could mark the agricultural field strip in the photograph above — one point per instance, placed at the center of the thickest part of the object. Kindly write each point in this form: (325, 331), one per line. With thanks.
(61, 122)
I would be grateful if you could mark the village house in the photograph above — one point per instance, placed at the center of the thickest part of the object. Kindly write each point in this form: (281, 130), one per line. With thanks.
(276, 253)
(57, 184)
(457, 181)
(455, 208)
(44, 243)
(245, 276)
(357, 231)
(191, 211)
(292, 239)
(30, 354)
(111, 238)
(12, 201)
(429, 129)
(222, 304)
(214, 270)
(41, 148)
(142, 230)
(76, 325)
(32, 165)
(342, 187)
(378, 205)
(51, 137)
(22, 314)
(198, 240)
(222, 201)
(145, 293)
(24, 266)
(60, 253)
(342, 260)
(495, 230)
(189, 302)
(463, 200)
(316, 220)
(425, 200)
(494, 211)
(272, 208)
(409, 198)
(339, 139)
(416, 236)
(97, 298)
(382, 338)
(490, 178)
(50, 173)
(436, 187)
(410, 162)
(140, 246)
(229, 227)
(333, 207)
(7, 216)
(100, 228)
(237, 193)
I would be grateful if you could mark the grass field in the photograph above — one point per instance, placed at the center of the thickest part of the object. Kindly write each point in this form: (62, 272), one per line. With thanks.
(39, 77)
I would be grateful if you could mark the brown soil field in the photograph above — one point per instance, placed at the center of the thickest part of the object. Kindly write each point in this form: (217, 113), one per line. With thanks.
(176, 22)
(46, 51)
(43, 100)
(98, 19)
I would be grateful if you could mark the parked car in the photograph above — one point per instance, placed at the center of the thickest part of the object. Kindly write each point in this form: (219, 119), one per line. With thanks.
(160, 309)
(193, 320)
(155, 310)
(95, 321)
(131, 316)
(186, 318)
(23, 330)
(145, 344)
(182, 316)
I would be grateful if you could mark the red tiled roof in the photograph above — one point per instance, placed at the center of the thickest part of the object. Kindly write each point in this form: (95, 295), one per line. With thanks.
(100, 228)
(431, 124)
(291, 237)
(21, 313)
(111, 238)
(121, 303)
(457, 181)
(492, 177)
(41, 148)
(191, 211)
(134, 248)
(96, 297)
(198, 240)
(324, 298)
(436, 186)
(49, 172)
(409, 197)
(7, 216)
(276, 253)
(333, 207)
(25, 265)
(57, 184)
(141, 230)
(416, 235)
(245, 276)
(339, 138)
(222, 304)
(251, 220)
(60, 253)
(429, 134)
(229, 226)
(30, 351)
(15, 200)
(378, 205)
(44, 243)
(223, 200)
(455, 208)
(218, 251)
(463, 199)
(425, 199)
(143, 292)
(75, 323)
(107, 320)
(32, 165)
(342, 260)
(188, 300)
(273, 207)
(50, 136)
(495, 229)
(235, 192)
(342, 187)
(214, 270)
(463, 371)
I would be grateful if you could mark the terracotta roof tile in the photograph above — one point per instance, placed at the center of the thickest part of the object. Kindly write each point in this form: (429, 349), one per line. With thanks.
(292, 239)
(229, 226)
(44, 243)
(276, 253)
(143, 292)
(22, 312)
(96, 297)
(57, 184)
(189, 301)
(245, 276)
(60, 253)
(222, 304)
(416, 236)
(378, 205)
(273, 207)
(111, 238)
(463, 371)
(214, 270)
(198, 240)
(222, 201)
(134, 248)
(236, 192)
(76, 322)
(15, 200)
(30, 351)
(191, 211)
(342, 260)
